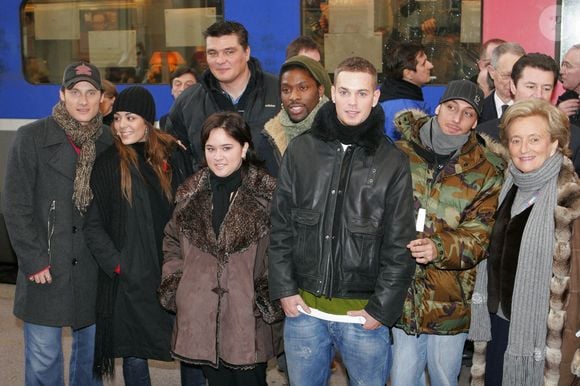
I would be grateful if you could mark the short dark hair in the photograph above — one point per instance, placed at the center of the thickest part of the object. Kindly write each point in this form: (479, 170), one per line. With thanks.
(301, 43)
(181, 70)
(222, 28)
(356, 64)
(236, 127)
(535, 60)
(400, 57)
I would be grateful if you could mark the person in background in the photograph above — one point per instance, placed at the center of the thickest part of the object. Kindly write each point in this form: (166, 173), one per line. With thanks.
(304, 88)
(569, 101)
(106, 105)
(45, 198)
(216, 243)
(407, 69)
(305, 46)
(526, 300)
(534, 76)
(503, 58)
(341, 218)
(182, 78)
(234, 81)
(456, 180)
(482, 78)
(134, 182)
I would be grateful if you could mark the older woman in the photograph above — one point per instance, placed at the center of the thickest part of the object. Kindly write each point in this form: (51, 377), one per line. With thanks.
(216, 244)
(522, 291)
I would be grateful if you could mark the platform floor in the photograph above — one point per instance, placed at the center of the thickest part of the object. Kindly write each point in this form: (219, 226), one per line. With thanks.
(162, 373)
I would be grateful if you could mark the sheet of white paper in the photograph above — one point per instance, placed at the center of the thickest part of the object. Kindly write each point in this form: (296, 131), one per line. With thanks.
(420, 225)
(333, 318)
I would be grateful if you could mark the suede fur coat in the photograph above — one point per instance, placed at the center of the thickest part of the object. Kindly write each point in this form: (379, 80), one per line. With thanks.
(217, 320)
(562, 346)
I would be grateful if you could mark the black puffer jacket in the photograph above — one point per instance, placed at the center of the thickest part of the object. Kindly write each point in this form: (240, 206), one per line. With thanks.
(341, 220)
(261, 102)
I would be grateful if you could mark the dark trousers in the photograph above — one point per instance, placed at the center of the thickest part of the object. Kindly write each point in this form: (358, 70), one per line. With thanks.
(191, 375)
(224, 376)
(500, 329)
(136, 371)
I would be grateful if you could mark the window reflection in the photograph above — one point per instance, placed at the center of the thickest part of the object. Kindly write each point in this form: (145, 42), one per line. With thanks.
(131, 41)
(449, 30)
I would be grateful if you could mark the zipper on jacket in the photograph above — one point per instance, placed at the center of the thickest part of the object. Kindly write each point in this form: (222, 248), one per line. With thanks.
(338, 209)
(50, 228)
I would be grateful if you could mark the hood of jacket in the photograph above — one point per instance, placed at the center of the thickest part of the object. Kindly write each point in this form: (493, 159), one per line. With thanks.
(400, 89)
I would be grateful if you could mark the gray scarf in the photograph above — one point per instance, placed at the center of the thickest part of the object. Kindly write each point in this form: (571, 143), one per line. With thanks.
(83, 137)
(432, 136)
(525, 354)
(292, 129)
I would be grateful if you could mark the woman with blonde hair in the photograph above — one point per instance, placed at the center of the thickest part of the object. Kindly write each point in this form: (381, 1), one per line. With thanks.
(525, 305)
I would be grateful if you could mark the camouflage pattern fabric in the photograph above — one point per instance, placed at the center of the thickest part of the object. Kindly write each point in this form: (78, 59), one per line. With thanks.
(460, 201)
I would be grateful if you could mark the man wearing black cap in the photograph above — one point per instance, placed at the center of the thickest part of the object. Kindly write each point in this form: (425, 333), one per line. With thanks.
(456, 182)
(234, 81)
(46, 194)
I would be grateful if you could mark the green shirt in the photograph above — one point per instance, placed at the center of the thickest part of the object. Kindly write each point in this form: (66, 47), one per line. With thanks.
(336, 306)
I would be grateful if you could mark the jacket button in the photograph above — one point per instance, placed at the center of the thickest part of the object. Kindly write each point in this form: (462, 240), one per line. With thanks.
(74, 229)
(327, 237)
(75, 261)
(332, 191)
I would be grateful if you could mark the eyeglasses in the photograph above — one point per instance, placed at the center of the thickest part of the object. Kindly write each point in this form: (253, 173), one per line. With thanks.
(504, 75)
(568, 66)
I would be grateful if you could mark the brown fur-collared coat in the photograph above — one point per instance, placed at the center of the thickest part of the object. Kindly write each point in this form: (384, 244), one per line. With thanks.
(562, 346)
(217, 320)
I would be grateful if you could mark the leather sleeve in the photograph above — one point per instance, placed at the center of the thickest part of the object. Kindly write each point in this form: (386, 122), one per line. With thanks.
(281, 280)
(396, 264)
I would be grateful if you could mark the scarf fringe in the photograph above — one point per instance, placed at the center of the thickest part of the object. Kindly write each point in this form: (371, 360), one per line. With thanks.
(104, 361)
(522, 370)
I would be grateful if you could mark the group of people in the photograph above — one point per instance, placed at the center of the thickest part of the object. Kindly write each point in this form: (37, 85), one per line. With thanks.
(277, 215)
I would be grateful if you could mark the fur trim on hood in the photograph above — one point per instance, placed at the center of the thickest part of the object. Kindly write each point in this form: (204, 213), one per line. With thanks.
(247, 220)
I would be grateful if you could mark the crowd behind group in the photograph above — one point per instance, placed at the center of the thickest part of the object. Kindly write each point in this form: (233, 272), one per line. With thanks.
(296, 218)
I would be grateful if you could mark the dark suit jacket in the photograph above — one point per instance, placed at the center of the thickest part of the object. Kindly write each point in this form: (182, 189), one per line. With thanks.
(488, 111)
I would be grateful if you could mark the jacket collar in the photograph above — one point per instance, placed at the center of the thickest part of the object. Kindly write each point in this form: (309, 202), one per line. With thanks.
(325, 127)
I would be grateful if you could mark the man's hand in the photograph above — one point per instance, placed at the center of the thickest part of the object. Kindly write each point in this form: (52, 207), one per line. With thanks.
(423, 250)
(42, 277)
(290, 305)
(570, 106)
(370, 324)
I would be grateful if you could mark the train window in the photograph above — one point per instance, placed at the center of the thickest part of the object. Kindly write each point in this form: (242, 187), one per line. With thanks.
(131, 41)
(450, 30)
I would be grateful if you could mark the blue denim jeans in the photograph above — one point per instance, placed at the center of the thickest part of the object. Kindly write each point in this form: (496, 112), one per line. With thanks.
(441, 354)
(44, 361)
(310, 344)
(136, 372)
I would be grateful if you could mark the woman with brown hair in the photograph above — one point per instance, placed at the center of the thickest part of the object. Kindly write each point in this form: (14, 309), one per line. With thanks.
(215, 246)
(133, 183)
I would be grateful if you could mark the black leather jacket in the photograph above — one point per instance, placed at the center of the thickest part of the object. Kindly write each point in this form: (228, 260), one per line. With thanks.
(341, 221)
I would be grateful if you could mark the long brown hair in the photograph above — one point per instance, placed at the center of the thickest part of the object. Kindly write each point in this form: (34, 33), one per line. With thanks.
(158, 148)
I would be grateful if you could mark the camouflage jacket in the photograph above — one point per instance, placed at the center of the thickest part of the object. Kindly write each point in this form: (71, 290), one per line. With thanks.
(460, 202)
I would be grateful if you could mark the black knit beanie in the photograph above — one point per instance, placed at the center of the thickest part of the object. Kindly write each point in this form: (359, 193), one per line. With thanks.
(136, 100)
